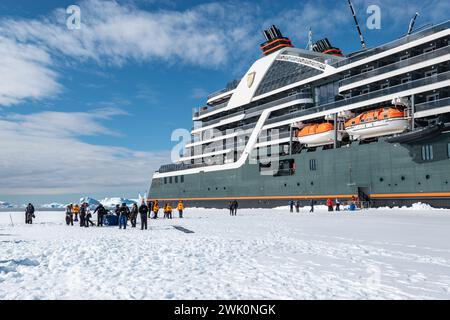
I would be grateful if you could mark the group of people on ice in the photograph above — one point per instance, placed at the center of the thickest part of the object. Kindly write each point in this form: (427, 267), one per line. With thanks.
(123, 213)
(331, 205)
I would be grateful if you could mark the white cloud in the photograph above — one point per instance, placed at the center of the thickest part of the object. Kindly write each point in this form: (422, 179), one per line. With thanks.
(42, 154)
(207, 35)
(25, 73)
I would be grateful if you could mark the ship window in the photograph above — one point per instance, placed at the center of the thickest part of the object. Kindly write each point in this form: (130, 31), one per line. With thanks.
(432, 97)
(170, 179)
(406, 79)
(384, 85)
(176, 179)
(430, 73)
(429, 49)
(312, 165)
(427, 153)
(405, 57)
(165, 180)
(182, 179)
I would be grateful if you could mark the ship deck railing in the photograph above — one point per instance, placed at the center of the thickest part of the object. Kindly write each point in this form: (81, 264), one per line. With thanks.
(384, 92)
(432, 104)
(396, 65)
(393, 44)
(297, 96)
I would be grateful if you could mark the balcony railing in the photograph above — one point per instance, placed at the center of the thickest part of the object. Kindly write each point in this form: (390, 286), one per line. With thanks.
(432, 104)
(397, 65)
(231, 86)
(394, 44)
(390, 90)
(297, 96)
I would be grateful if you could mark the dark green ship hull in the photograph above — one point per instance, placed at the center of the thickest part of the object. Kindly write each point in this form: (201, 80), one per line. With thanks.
(388, 174)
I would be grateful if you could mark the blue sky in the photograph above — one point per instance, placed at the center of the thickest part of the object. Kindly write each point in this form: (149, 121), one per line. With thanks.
(91, 111)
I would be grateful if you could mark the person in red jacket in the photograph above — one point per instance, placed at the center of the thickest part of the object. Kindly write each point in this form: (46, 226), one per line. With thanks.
(330, 204)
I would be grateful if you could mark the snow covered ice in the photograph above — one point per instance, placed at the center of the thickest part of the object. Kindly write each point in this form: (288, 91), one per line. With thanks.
(260, 254)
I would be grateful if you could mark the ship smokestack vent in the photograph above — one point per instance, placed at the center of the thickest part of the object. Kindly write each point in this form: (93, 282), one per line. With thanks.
(324, 46)
(274, 40)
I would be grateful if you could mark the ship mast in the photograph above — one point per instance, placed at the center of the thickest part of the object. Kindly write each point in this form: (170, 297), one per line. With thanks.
(363, 43)
(411, 24)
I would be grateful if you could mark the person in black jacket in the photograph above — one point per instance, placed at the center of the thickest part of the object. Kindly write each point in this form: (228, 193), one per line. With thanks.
(235, 207)
(101, 213)
(143, 210)
(124, 214)
(29, 214)
(82, 215)
(291, 206)
(312, 203)
(133, 215)
(231, 207)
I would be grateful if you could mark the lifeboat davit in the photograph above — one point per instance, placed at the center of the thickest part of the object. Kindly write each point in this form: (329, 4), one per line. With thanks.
(317, 134)
(377, 123)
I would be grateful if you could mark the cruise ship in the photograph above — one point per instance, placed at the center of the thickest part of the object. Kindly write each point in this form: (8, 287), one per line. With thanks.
(317, 123)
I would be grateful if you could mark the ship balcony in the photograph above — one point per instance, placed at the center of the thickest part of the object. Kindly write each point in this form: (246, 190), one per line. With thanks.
(394, 44)
(257, 110)
(386, 71)
(202, 111)
(431, 108)
(402, 89)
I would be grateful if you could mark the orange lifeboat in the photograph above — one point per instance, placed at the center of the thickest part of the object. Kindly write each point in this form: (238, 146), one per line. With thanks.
(316, 134)
(376, 123)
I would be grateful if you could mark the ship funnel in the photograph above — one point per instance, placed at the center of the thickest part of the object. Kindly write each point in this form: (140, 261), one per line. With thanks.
(324, 46)
(274, 40)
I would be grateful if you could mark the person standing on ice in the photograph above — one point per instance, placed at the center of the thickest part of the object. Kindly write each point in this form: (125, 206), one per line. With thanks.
(88, 216)
(330, 205)
(69, 215)
(180, 208)
(133, 215)
(169, 211)
(291, 206)
(311, 203)
(297, 206)
(76, 211)
(101, 213)
(338, 205)
(82, 215)
(235, 207)
(124, 212)
(230, 206)
(143, 210)
(29, 214)
(155, 209)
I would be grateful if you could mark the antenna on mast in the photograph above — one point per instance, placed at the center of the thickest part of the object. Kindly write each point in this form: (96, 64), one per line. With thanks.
(310, 44)
(411, 24)
(363, 43)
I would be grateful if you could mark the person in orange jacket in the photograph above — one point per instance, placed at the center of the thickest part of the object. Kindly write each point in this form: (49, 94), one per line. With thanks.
(169, 211)
(76, 211)
(180, 208)
(155, 209)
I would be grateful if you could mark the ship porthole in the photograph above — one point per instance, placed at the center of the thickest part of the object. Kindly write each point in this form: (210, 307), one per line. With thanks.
(298, 184)
(312, 183)
(427, 177)
(403, 178)
(381, 179)
(285, 185)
